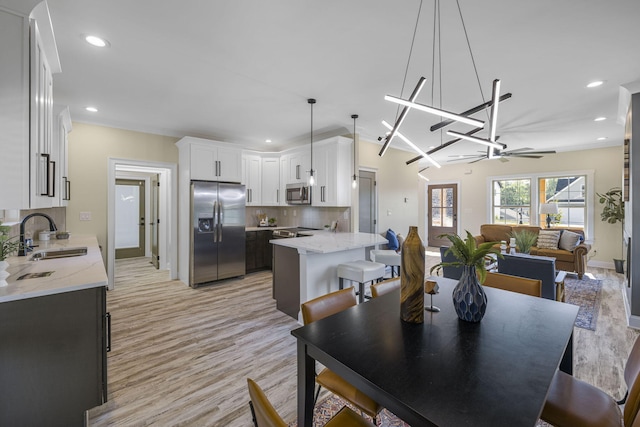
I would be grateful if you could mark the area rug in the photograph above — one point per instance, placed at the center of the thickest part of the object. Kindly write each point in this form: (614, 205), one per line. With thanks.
(332, 404)
(586, 294)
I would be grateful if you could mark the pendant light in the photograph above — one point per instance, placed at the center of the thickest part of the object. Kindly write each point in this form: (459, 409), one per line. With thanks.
(312, 179)
(354, 183)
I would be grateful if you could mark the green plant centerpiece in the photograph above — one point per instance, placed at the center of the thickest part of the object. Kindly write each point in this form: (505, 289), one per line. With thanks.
(469, 299)
(8, 245)
(613, 212)
(525, 239)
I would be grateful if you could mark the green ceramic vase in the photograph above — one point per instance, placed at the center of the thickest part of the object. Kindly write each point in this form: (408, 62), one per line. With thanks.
(412, 278)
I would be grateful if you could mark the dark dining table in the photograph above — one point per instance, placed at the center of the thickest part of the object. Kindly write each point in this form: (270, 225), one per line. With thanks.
(445, 371)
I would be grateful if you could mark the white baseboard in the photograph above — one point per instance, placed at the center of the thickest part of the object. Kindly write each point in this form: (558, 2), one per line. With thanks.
(601, 264)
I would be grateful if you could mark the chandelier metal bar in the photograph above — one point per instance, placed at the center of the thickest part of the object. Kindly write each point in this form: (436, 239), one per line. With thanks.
(402, 116)
(486, 142)
(440, 147)
(473, 110)
(412, 145)
(435, 111)
(493, 122)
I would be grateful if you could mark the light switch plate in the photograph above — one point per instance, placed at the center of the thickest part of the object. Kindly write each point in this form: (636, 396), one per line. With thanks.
(85, 216)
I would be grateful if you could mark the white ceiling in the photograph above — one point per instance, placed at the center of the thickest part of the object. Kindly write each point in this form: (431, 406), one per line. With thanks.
(241, 71)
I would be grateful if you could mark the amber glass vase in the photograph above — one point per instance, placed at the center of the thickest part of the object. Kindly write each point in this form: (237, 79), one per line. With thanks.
(412, 278)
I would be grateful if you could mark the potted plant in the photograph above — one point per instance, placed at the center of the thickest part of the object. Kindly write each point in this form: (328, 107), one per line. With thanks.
(525, 239)
(8, 246)
(469, 299)
(612, 212)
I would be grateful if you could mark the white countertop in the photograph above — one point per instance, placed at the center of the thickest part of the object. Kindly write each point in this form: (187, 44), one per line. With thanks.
(269, 228)
(69, 274)
(324, 242)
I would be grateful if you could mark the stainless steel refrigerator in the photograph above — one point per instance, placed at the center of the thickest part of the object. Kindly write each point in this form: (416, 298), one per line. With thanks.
(218, 231)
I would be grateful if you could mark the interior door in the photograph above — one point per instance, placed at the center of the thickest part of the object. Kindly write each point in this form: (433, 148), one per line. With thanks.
(367, 202)
(130, 222)
(442, 213)
(155, 220)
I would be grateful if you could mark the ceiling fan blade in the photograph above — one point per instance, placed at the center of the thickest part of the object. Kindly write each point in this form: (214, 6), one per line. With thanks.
(440, 147)
(527, 156)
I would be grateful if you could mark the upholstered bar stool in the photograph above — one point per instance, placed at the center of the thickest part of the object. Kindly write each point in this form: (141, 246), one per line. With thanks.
(360, 271)
(387, 257)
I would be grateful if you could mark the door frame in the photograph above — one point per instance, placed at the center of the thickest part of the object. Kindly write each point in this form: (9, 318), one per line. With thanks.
(426, 204)
(168, 245)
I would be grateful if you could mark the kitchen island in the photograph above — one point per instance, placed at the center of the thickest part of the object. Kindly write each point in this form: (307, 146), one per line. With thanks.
(54, 335)
(306, 267)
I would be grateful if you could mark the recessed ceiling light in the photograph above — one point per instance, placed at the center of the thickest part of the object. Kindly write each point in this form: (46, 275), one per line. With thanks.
(595, 83)
(599, 119)
(268, 141)
(92, 109)
(96, 41)
(602, 138)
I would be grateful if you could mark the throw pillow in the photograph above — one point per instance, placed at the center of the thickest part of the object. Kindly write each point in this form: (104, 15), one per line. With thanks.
(548, 239)
(393, 240)
(569, 240)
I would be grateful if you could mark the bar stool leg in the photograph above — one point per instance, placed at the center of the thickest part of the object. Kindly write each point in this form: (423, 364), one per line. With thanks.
(341, 283)
(361, 293)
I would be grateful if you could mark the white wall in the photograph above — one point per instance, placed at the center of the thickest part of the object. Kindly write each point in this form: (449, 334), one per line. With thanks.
(397, 187)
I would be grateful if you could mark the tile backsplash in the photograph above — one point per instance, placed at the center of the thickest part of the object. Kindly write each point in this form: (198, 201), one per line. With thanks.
(301, 216)
(37, 224)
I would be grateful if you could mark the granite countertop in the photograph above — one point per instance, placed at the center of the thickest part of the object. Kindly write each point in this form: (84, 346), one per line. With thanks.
(324, 242)
(69, 274)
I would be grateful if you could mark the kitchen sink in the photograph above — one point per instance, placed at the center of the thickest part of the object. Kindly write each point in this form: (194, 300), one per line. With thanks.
(58, 253)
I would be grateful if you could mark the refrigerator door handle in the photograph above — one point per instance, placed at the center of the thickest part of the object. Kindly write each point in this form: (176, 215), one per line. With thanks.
(219, 222)
(215, 222)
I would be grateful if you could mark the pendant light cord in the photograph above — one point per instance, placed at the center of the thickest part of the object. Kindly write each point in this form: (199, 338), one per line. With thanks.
(311, 101)
(473, 61)
(406, 70)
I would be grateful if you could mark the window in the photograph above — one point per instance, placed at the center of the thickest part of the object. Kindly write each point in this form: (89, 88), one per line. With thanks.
(569, 192)
(511, 201)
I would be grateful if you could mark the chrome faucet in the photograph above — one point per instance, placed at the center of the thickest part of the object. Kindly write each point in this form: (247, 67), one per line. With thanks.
(22, 251)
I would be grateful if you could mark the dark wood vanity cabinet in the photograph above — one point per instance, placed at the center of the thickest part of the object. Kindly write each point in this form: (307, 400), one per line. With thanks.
(258, 254)
(53, 358)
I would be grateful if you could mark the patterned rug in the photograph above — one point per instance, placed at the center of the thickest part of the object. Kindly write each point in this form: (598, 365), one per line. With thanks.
(586, 294)
(332, 404)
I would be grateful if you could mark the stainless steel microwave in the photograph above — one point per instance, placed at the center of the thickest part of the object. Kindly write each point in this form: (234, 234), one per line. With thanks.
(298, 194)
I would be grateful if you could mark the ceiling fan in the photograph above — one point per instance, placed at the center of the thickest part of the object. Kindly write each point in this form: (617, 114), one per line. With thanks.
(504, 155)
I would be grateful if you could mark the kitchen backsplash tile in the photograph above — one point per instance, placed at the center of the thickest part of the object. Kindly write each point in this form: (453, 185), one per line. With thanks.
(301, 216)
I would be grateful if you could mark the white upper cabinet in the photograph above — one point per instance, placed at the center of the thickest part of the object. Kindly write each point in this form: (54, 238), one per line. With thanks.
(299, 166)
(210, 160)
(29, 59)
(61, 128)
(271, 193)
(252, 178)
(332, 162)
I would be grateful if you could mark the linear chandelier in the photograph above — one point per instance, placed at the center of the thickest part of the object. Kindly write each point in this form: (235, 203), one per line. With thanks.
(446, 117)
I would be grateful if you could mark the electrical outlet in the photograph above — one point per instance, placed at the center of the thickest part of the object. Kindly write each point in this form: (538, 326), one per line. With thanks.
(85, 216)
(295, 212)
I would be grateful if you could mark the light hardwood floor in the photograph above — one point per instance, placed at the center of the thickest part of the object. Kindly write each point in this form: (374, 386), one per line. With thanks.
(181, 356)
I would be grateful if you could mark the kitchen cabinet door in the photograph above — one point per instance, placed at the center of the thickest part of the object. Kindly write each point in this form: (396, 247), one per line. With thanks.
(44, 162)
(271, 181)
(284, 177)
(14, 111)
(251, 172)
(333, 181)
(62, 127)
(213, 163)
(299, 166)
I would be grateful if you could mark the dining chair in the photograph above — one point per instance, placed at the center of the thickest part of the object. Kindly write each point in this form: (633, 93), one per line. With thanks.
(511, 283)
(572, 402)
(535, 267)
(319, 308)
(265, 415)
(450, 272)
(385, 287)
